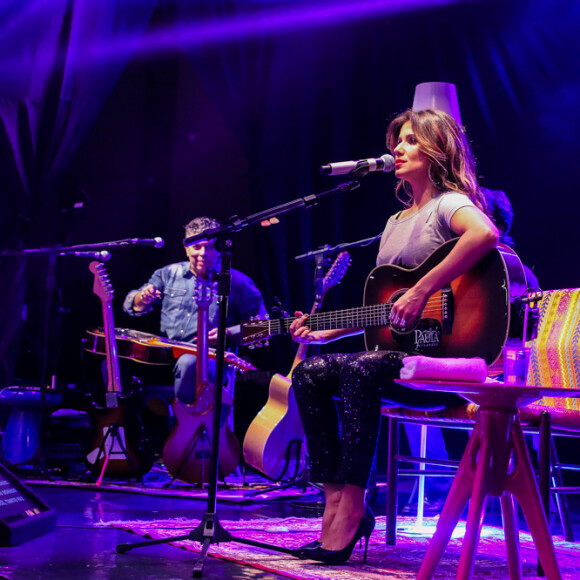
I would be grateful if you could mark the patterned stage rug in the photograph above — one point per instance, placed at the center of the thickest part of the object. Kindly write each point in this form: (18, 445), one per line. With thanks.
(383, 562)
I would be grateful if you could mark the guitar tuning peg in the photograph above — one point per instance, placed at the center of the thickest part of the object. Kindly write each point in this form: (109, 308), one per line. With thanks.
(251, 346)
(266, 343)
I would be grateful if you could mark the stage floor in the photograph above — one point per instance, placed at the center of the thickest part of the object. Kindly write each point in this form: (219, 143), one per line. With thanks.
(81, 547)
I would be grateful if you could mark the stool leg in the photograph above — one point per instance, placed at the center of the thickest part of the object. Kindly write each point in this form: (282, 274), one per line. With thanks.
(522, 485)
(494, 428)
(512, 544)
(421, 482)
(477, 504)
(392, 468)
(454, 505)
(544, 467)
(560, 498)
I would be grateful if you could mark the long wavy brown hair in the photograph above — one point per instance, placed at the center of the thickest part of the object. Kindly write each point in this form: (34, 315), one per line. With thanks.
(452, 164)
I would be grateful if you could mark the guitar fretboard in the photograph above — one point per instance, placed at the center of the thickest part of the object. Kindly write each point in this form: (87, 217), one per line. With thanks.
(361, 316)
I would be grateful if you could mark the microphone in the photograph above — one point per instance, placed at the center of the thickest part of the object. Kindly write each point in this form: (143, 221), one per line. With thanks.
(103, 256)
(385, 163)
(155, 242)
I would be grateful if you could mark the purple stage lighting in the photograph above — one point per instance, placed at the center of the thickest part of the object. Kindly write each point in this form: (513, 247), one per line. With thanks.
(256, 22)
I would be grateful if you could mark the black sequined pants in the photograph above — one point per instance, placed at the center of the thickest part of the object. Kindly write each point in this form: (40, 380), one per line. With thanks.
(339, 397)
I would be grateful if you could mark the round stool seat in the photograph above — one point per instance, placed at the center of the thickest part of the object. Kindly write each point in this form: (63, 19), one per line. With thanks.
(21, 436)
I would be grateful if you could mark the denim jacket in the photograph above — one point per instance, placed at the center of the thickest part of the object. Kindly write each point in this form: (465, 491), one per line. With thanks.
(179, 307)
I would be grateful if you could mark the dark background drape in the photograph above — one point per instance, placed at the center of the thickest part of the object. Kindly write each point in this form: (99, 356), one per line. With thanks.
(128, 118)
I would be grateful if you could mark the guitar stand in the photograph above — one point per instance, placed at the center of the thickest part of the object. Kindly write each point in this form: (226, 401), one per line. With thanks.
(297, 480)
(299, 445)
(112, 433)
(200, 435)
(301, 482)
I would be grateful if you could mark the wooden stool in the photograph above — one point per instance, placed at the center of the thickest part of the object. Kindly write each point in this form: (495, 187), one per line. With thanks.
(495, 463)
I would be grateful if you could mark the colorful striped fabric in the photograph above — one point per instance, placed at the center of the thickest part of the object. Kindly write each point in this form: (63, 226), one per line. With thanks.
(554, 361)
(555, 356)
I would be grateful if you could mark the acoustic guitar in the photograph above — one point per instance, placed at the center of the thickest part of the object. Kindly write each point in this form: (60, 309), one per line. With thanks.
(150, 349)
(119, 447)
(470, 317)
(275, 442)
(187, 451)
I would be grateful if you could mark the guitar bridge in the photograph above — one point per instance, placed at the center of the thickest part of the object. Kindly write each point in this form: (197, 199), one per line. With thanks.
(447, 310)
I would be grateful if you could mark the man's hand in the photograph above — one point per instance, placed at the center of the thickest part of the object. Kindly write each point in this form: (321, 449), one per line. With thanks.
(212, 336)
(145, 297)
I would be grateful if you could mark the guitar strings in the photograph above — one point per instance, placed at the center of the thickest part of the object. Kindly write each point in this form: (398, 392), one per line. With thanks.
(358, 316)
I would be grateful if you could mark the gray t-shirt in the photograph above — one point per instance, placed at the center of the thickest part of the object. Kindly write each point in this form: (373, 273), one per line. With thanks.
(410, 240)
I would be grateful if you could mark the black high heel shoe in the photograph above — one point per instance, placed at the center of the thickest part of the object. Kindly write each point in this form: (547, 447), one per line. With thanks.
(303, 551)
(310, 546)
(364, 530)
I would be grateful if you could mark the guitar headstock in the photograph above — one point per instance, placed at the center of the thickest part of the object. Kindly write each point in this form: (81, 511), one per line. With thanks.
(256, 332)
(102, 286)
(205, 290)
(336, 272)
(239, 363)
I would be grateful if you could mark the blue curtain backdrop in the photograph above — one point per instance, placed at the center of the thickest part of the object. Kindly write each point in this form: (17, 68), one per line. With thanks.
(51, 92)
(124, 119)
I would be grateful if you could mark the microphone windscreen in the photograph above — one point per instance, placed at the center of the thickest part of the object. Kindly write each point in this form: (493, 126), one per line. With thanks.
(389, 162)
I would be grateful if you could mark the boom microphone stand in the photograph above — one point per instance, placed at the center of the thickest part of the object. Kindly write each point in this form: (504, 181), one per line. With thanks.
(47, 379)
(50, 286)
(321, 256)
(210, 530)
(96, 251)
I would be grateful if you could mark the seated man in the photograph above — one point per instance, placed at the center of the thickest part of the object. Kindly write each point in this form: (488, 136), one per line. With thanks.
(172, 289)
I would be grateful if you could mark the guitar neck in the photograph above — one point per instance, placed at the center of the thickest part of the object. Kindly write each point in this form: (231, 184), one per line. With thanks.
(332, 277)
(300, 355)
(360, 317)
(204, 294)
(113, 373)
(201, 366)
(103, 289)
(303, 347)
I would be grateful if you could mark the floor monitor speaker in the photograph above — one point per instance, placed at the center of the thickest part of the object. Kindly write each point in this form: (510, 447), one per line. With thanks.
(23, 515)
